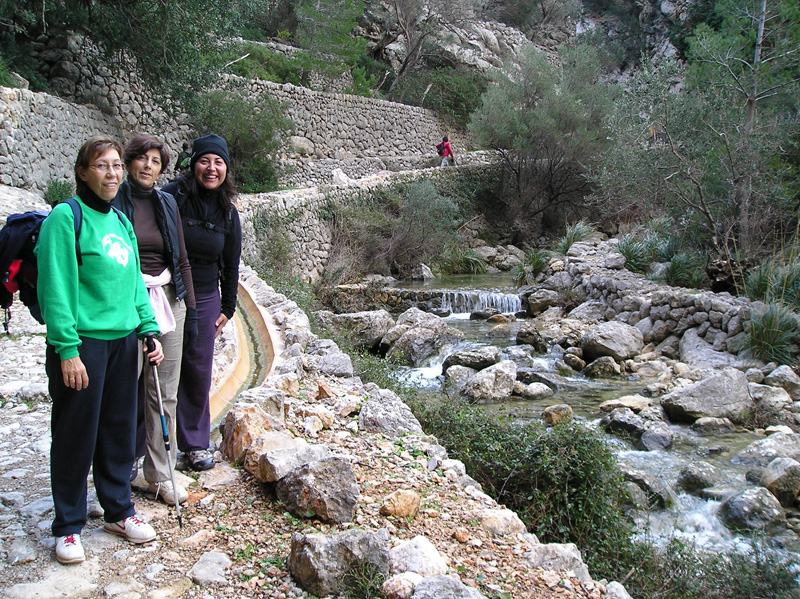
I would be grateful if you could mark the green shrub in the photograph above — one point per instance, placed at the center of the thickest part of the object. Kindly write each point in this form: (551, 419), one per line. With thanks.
(665, 248)
(58, 190)
(263, 63)
(773, 334)
(636, 252)
(273, 246)
(563, 482)
(538, 260)
(579, 231)
(6, 80)
(446, 90)
(253, 126)
(391, 230)
(757, 283)
(535, 262)
(681, 571)
(775, 282)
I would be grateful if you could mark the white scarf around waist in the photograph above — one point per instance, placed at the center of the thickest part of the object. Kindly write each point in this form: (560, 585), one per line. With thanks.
(159, 300)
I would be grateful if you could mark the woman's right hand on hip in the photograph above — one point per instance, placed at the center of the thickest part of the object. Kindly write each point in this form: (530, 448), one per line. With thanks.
(74, 373)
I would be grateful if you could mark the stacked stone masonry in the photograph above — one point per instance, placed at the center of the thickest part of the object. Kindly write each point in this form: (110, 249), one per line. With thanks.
(661, 312)
(342, 126)
(41, 132)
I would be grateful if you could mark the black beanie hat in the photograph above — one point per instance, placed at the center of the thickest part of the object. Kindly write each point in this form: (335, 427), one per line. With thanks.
(209, 144)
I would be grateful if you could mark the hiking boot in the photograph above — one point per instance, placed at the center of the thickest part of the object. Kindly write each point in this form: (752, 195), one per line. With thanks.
(201, 459)
(164, 490)
(133, 528)
(69, 549)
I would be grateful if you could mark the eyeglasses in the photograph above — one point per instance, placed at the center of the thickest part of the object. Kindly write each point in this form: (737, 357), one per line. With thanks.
(102, 167)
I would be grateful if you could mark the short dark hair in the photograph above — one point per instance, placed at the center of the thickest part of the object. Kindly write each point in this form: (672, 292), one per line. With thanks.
(92, 147)
(444, 138)
(143, 143)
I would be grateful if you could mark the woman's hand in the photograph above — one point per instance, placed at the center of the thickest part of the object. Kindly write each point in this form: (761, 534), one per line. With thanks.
(74, 373)
(156, 355)
(220, 324)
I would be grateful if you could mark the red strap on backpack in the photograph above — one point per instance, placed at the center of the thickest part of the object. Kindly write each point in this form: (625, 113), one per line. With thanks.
(10, 281)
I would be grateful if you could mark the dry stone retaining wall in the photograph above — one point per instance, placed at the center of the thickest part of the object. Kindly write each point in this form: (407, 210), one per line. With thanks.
(341, 126)
(661, 312)
(41, 132)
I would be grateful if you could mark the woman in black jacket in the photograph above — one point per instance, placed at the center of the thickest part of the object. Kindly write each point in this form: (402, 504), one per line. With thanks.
(213, 238)
(167, 274)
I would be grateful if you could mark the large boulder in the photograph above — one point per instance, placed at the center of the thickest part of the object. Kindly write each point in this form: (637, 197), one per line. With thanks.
(476, 358)
(560, 557)
(384, 412)
(326, 489)
(275, 463)
(698, 353)
(786, 378)
(541, 299)
(722, 395)
(242, 425)
(417, 555)
(416, 336)
(616, 339)
(444, 587)
(318, 562)
(782, 479)
(696, 476)
(491, 384)
(753, 509)
(528, 334)
(762, 452)
(368, 328)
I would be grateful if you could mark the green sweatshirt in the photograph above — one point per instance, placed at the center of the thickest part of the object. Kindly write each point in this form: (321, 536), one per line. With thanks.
(105, 298)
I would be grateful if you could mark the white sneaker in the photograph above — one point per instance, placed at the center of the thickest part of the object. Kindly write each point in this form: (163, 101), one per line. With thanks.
(69, 549)
(133, 528)
(164, 490)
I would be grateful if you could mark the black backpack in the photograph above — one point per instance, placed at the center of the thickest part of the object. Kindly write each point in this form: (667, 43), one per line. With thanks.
(18, 263)
(440, 148)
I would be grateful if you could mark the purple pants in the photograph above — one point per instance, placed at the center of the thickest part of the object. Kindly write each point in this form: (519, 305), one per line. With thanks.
(193, 418)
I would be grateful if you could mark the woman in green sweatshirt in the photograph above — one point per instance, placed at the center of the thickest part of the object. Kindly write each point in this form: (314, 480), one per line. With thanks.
(94, 311)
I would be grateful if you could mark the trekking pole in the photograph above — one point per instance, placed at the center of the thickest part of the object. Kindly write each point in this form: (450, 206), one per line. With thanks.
(150, 343)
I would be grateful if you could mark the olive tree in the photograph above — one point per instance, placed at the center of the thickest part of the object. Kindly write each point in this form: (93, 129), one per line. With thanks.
(545, 120)
(708, 144)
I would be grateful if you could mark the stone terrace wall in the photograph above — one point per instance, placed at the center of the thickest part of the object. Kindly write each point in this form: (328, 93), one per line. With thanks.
(40, 136)
(661, 312)
(340, 126)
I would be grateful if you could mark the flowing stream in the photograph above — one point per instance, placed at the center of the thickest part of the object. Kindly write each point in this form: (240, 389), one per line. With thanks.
(692, 519)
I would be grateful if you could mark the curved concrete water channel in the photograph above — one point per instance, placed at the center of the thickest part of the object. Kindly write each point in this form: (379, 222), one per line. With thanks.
(254, 356)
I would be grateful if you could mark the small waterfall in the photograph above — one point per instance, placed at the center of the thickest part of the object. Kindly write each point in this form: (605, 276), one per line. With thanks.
(459, 302)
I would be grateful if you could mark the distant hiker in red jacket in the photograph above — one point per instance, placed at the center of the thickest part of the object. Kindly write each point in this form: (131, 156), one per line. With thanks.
(447, 152)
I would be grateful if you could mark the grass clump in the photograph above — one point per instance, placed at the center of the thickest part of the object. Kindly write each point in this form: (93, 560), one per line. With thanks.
(363, 581)
(684, 270)
(536, 262)
(682, 571)
(775, 282)
(773, 334)
(580, 231)
(456, 260)
(636, 252)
